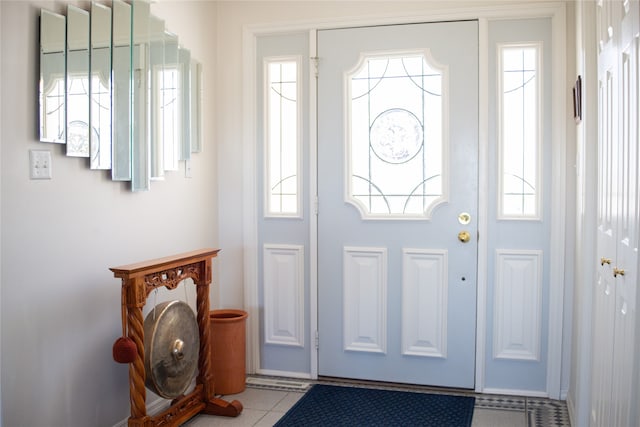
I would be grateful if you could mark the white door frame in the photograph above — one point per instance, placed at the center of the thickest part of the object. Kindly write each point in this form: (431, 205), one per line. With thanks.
(556, 11)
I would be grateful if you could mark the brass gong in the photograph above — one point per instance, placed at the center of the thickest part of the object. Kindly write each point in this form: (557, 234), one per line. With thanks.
(171, 346)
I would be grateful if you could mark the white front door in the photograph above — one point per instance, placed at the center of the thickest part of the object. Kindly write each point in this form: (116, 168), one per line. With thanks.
(397, 202)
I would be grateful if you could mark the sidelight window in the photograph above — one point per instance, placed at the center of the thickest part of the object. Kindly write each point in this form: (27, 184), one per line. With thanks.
(282, 124)
(520, 124)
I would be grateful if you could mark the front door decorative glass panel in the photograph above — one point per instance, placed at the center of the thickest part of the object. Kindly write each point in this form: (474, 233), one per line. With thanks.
(396, 144)
(520, 139)
(282, 138)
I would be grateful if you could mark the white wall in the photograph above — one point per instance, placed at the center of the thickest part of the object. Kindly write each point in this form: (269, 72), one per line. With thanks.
(60, 305)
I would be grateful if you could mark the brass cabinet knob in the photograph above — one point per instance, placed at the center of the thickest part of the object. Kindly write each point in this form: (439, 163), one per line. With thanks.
(464, 236)
(604, 261)
(618, 272)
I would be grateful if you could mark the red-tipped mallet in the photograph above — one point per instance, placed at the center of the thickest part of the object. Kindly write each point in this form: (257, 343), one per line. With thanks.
(124, 349)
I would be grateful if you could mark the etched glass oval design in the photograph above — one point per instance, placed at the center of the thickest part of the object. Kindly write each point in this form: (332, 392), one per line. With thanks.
(396, 136)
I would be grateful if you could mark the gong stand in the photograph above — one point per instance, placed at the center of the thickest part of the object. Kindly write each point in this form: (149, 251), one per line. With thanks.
(138, 280)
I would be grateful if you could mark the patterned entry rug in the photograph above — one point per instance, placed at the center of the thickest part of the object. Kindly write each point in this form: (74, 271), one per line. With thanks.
(327, 405)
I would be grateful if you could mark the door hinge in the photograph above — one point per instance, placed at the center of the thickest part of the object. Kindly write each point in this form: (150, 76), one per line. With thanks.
(315, 205)
(314, 64)
(317, 340)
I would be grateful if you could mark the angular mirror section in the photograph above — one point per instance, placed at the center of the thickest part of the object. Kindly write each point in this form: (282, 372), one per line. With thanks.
(156, 60)
(184, 57)
(140, 172)
(170, 104)
(121, 91)
(77, 82)
(196, 106)
(52, 77)
(100, 87)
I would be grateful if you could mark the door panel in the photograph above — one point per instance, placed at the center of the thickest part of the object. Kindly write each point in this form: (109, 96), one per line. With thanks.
(397, 182)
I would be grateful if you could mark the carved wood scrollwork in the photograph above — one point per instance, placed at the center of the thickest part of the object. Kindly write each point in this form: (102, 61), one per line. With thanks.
(171, 278)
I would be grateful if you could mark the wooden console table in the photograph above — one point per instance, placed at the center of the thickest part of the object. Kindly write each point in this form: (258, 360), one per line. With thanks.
(138, 280)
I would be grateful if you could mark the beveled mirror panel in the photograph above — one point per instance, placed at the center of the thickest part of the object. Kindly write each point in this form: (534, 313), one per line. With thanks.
(100, 89)
(140, 173)
(77, 82)
(196, 106)
(156, 61)
(52, 77)
(184, 56)
(171, 102)
(121, 91)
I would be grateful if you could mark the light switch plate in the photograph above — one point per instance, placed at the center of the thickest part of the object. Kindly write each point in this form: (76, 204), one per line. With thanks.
(40, 164)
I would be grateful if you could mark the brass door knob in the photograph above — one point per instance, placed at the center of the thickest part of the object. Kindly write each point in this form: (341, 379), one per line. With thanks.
(464, 236)
(604, 261)
(618, 272)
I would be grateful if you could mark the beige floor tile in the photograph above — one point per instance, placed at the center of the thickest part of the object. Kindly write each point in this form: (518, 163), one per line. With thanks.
(253, 398)
(269, 419)
(247, 418)
(496, 418)
(288, 401)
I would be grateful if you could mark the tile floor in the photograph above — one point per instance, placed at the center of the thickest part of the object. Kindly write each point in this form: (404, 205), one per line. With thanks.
(264, 406)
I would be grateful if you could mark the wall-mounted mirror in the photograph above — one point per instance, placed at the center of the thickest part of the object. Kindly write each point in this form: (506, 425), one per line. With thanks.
(77, 82)
(52, 77)
(116, 87)
(121, 91)
(100, 89)
(140, 175)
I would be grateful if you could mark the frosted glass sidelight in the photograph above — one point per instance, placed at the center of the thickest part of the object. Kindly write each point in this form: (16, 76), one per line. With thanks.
(282, 138)
(519, 142)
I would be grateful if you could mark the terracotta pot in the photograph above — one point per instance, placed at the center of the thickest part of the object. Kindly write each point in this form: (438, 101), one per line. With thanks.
(228, 353)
